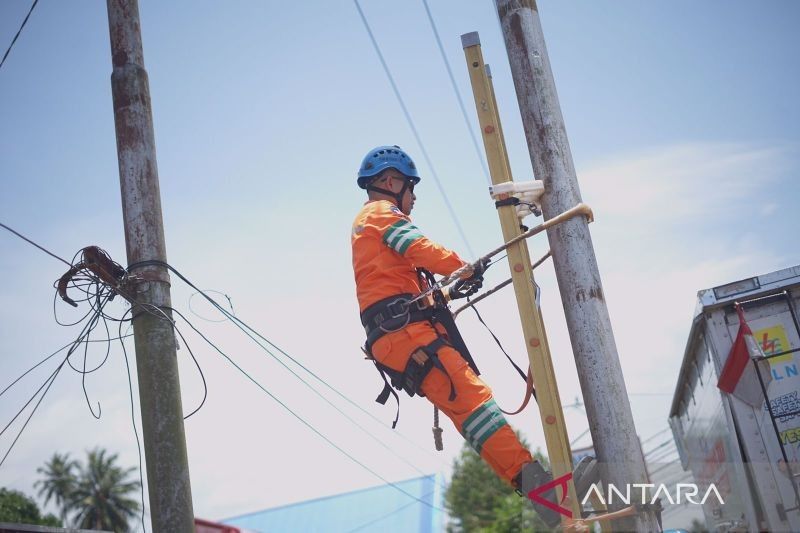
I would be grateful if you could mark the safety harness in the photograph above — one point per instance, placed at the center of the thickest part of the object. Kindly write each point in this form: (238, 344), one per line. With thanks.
(395, 313)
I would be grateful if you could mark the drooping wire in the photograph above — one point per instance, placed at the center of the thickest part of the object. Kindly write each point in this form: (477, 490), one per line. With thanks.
(414, 129)
(316, 392)
(14, 40)
(460, 100)
(47, 358)
(201, 317)
(309, 425)
(94, 289)
(47, 384)
(251, 332)
(133, 414)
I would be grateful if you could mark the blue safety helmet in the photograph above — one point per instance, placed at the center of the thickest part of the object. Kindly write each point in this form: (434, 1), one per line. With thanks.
(379, 159)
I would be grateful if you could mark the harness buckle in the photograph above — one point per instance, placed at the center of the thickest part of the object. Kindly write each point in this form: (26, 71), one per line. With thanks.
(403, 307)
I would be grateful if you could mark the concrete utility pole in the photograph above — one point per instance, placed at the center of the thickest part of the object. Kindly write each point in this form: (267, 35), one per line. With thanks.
(606, 398)
(156, 358)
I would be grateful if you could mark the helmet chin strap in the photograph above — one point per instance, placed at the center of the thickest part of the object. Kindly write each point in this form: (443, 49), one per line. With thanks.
(398, 197)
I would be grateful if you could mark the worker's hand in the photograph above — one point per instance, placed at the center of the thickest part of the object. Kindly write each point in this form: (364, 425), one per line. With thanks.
(475, 271)
(465, 287)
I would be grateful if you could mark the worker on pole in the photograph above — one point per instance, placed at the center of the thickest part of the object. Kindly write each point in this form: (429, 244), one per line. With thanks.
(415, 345)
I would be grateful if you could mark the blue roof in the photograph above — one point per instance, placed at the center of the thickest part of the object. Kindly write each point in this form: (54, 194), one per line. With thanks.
(383, 508)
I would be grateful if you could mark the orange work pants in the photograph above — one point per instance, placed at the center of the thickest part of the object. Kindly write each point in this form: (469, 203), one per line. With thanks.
(473, 411)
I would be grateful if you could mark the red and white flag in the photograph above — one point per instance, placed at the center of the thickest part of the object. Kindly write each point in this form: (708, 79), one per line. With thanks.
(738, 376)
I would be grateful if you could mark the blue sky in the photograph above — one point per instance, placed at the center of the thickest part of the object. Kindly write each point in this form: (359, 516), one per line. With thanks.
(683, 123)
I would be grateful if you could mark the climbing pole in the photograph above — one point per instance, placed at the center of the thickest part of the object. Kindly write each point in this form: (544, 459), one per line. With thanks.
(550, 408)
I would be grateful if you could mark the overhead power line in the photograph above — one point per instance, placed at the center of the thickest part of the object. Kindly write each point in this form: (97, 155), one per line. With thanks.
(413, 129)
(10, 46)
(255, 336)
(458, 94)
(308, 424)
(651, 437)
(42, 248)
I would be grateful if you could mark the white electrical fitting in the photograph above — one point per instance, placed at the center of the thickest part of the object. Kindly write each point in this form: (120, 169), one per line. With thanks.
(527, 192)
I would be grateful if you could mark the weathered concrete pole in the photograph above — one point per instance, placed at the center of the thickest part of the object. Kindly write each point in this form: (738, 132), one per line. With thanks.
(607, 404)
(156, 359)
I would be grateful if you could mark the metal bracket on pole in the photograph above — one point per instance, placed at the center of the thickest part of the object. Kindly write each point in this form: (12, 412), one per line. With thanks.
(550, 408)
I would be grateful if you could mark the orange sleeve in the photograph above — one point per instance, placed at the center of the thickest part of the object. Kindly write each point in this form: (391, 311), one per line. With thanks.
(402, 236)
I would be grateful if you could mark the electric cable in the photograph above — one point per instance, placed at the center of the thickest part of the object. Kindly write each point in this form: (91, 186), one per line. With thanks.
(14, 40)
(414, 129)
(310, 426)
(34, 367)
(320, 395)
(49, 382)
(387, 515)
(665, 443)
(651, 437)
(460, 100)
(662, 455)
(201, 317)
(42, 248)
(133, 415)
(46, 386)
(576, 439)
(244, 326)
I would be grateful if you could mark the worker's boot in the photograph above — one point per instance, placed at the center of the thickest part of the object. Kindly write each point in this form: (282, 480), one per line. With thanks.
(533, 476)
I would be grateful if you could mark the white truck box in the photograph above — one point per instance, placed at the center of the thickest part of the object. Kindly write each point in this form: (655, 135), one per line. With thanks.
(747, 452)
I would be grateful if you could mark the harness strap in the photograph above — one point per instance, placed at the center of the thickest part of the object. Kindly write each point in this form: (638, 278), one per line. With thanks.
(392, 314)
(431, 351)
(411, 378)
(384, 395)
(529, 392)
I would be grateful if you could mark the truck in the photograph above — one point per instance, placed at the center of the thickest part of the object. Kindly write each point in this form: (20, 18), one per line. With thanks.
(748, 449)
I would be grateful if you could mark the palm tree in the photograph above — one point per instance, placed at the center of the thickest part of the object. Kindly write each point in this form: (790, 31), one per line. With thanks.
(100, 498)
(58, 483)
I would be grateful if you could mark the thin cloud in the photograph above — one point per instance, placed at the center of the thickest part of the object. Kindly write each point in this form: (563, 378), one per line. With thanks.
(658, 242)
(673, 183)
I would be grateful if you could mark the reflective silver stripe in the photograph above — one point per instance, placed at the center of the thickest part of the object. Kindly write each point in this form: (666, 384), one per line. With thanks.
(488, 426)
(487, 412)
(492, 428)
(395, 230)
(406, 240)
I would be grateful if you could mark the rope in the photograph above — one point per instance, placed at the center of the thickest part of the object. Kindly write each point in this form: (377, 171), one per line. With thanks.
(437, 431)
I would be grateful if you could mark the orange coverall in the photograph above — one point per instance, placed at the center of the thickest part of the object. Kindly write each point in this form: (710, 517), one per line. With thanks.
(387, 248)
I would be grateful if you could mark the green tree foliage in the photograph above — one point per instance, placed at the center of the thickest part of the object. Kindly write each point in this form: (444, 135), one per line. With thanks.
(16, 508)
(480, 502)
(97, 495)
(59, 481)
(101, 495)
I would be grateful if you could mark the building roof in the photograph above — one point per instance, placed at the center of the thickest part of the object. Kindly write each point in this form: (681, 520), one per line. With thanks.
(383, 508)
